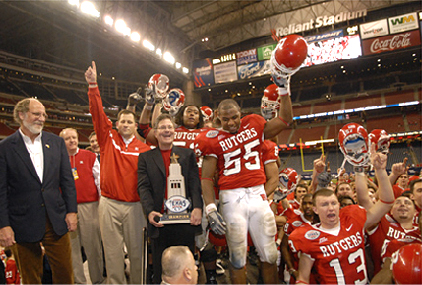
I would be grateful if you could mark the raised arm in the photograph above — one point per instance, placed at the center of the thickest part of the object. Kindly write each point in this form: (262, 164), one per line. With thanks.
(386, 195)
(398, 169)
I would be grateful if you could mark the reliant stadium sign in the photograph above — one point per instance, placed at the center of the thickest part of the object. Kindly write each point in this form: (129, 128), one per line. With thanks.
(321, 21)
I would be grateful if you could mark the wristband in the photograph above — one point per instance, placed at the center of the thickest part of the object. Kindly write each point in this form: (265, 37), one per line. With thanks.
(148, 107)
(206, 178)
(282, 91)
(210, 208)
(384, 202)
(301, 282)
(283, 121)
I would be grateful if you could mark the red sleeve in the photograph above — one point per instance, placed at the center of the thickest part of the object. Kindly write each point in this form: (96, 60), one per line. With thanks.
(269, 152)
(102, 124)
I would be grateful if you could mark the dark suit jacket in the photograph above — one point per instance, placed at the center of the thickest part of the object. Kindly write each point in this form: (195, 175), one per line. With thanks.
(152, 180)
(24, 200)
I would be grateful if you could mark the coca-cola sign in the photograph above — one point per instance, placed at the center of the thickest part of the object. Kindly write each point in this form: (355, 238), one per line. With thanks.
(390, 43)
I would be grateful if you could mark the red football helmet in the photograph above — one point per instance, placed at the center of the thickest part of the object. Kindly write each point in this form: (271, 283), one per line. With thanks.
(207, 113)
(159, 84)
(353, 143)
(270, 102)
(289, 179)
(174, 100)
(288, 56)
(407, 264)
(381, 139)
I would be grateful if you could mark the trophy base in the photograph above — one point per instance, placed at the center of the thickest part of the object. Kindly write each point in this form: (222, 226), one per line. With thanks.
(175, 219)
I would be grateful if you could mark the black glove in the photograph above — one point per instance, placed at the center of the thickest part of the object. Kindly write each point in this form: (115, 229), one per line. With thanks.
(149, 96)
(217, 223)
(135, 98)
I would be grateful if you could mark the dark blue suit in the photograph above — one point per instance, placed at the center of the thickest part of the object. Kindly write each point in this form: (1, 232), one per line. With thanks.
(36, 210)
(24, 200)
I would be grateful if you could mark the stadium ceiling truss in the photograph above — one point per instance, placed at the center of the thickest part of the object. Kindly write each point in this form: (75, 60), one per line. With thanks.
(51, 31)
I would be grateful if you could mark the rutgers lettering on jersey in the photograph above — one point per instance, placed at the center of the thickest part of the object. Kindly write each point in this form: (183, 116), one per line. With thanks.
(388, 229)
(239, 160)
(185, 137)
(338, 256)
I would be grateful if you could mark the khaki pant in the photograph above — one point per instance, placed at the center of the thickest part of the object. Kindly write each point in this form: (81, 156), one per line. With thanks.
(87, 235)
(121, 224)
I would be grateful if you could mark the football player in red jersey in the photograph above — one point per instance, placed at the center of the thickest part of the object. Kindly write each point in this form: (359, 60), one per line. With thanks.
(385, 275)
(295, 219)
(335, 246)
(397, 224)
(235, 152)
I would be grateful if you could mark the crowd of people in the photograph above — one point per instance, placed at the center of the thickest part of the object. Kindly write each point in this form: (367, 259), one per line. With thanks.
(189, 177)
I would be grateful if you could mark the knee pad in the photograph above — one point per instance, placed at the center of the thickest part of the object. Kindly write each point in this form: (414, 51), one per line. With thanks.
(237, 242)
(270, 253)
(209, 254)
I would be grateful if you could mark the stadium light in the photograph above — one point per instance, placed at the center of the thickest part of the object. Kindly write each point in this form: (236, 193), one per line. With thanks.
(185, 70)
(178, 65)
(89, 8)
(148, 45)
(121, 27)
(158, 52)
(74, 2)
(168, 57)
(108, 20)
(135, 36)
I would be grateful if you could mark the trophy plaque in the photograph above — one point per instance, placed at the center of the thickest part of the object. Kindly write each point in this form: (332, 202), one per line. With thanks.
(176, 206)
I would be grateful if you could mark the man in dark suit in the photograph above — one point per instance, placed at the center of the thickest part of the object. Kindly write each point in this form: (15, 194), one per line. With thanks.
(153, 170)
(37, 196)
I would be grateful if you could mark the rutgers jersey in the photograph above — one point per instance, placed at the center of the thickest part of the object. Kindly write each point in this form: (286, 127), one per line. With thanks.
(339, 257)
(387, 230)
(395, 245)
(269, 152)
(295, 219)
(184, 137)
(239, 155)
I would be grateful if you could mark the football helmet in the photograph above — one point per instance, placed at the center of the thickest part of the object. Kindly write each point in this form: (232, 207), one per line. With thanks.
(207, 113)
(174, 100)
(159, 84)
(406, 264)
(288, 179)
(288, 56)
(381, 139)
(353, 143)
(270, 102)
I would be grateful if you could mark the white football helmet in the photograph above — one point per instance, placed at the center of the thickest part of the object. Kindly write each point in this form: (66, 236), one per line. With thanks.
(174, 100)
(159, 84)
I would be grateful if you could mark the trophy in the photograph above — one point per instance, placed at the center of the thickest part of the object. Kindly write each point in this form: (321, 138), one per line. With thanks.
(176, 205)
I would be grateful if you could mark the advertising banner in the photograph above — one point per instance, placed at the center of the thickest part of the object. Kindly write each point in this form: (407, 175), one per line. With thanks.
(374, 29)
(203, 74)
(246, 56)
(264, 52)
(253, 69)
(391, 42)
(326, 36)
(403, 23)
(225, 72)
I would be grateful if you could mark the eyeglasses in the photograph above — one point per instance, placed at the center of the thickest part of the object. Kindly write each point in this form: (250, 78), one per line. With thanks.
(38, 114)
(163, 128)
